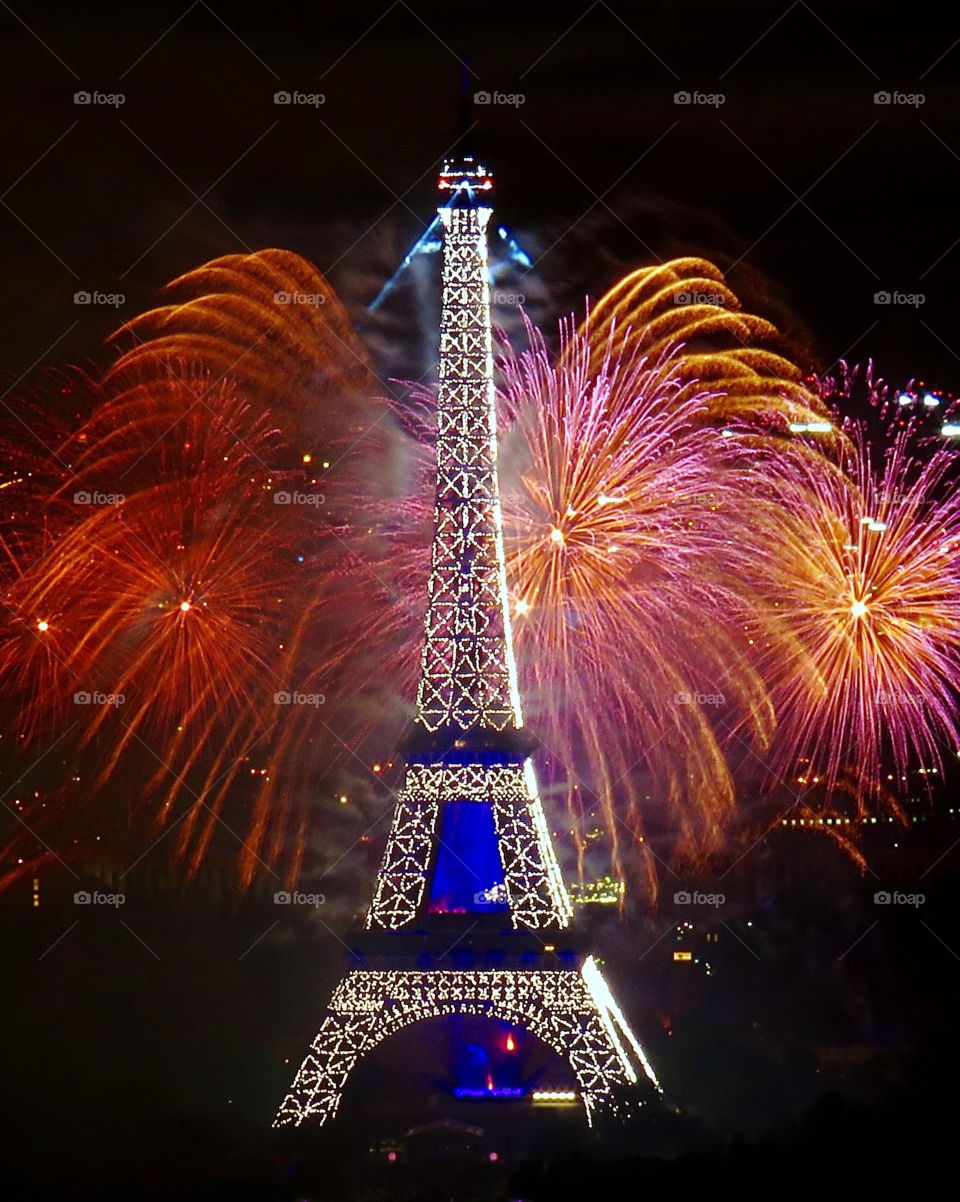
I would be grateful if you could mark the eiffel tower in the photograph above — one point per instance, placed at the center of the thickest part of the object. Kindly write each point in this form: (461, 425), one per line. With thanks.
(470, 908)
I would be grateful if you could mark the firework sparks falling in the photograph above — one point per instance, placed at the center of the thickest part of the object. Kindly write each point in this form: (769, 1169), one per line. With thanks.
(688, 578)
(858, 596)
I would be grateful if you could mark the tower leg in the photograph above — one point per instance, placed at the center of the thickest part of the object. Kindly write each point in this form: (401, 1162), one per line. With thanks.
(318, 1086)
(571, 1012)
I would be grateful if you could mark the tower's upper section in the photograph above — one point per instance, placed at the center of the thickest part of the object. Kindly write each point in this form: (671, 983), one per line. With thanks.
(465, 183)
(468, 675)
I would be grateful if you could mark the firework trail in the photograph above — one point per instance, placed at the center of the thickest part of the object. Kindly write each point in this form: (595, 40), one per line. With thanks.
(178, 579)
(691, 583)
(726, 353)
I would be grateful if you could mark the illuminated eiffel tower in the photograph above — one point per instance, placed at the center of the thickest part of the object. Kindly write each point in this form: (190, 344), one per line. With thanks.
(470, 908)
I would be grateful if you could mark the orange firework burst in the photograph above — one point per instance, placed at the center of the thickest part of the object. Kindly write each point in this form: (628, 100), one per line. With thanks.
(728, 354)
(200, 570)
(857, 596)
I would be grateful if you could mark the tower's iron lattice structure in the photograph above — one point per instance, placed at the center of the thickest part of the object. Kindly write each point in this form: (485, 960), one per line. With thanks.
(469, 860)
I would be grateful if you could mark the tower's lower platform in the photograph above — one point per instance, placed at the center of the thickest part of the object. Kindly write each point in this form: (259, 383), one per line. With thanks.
(570, 1009)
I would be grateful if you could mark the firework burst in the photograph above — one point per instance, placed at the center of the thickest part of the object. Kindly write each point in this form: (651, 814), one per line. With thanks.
(690, 582)
(858, 601)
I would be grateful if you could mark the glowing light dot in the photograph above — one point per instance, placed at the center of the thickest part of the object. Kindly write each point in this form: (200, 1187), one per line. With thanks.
(185, 606)
(858, 609)
(307, 458)
(522, 606)
(556, 535)
(42, 625)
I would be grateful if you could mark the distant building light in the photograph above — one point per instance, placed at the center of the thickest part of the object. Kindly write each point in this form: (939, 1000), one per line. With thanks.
(683, 957)
(818, 427)
(950, 429)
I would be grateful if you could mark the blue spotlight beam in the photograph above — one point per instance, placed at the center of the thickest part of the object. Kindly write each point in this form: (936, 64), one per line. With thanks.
(427, 244)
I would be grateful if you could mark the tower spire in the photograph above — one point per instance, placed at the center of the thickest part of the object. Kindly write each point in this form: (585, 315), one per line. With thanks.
(468, 679)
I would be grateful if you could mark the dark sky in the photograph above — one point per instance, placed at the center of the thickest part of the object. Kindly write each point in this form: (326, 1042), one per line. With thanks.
(815, 195)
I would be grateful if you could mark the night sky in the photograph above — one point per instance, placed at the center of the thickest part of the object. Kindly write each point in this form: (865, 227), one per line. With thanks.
(813, 195)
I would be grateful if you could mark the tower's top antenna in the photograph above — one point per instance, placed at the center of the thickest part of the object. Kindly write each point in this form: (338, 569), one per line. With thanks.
(464, 145)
